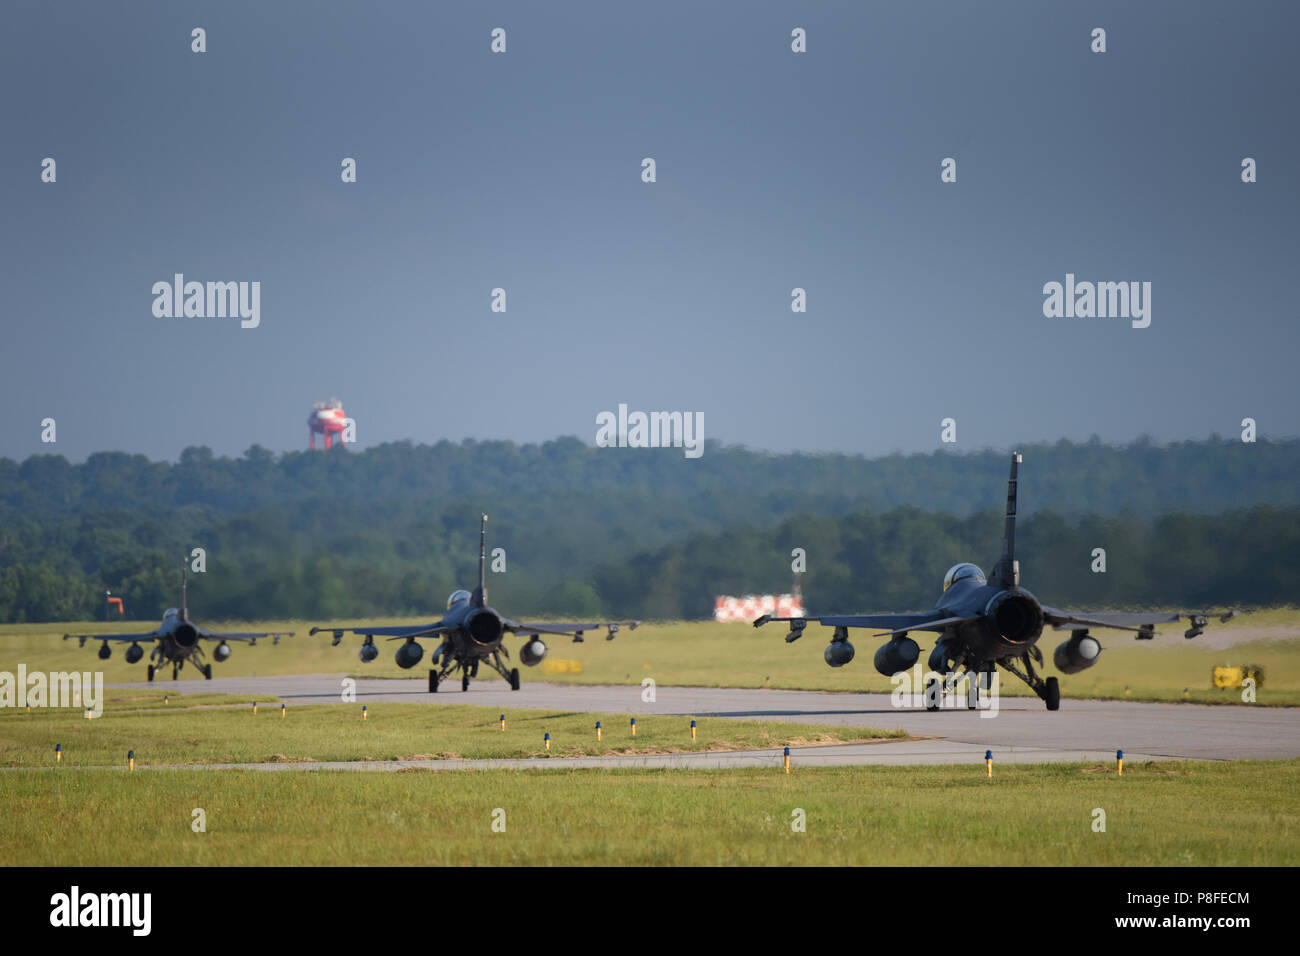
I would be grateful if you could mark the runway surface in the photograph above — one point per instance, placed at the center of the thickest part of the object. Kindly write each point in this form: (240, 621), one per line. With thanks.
(1021, 731)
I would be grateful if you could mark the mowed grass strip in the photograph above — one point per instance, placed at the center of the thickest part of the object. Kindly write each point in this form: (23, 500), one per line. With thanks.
(1201, 814)
(708, 654)
(397, 731)
(125, 701)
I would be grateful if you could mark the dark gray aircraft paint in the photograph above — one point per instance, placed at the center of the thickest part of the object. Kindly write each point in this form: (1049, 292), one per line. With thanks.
(177, 639)
(985, 622)
(471, 632)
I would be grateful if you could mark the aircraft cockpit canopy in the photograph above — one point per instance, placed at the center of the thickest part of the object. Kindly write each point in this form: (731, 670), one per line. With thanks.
(960, 572)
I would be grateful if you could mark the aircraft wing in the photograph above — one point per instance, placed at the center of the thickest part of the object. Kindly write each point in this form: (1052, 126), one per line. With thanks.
(1143, 622)
(146, 638)
(392, 633)
(574, 629)
(891, 623)
(250, 636)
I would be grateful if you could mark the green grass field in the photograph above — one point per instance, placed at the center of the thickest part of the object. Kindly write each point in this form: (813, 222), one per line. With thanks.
(1238, 814)
(202, 730)
(738, 655)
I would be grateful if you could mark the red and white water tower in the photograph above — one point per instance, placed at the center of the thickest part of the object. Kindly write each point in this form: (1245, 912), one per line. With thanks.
(327, 419)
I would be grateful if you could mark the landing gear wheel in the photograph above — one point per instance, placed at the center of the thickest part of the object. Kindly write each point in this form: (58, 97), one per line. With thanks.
(514, 679)
(207, 672)
(149, 672)
(464, 681)
(932, 694)
(973, 692)
(175, 671)
(433, 682)
(1052, 693)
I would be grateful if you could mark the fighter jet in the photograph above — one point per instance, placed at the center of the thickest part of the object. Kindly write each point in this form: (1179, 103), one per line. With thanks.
(986, 622)
(471, 633)
(176, 640)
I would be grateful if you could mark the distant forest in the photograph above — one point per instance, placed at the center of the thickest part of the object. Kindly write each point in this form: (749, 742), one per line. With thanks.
(639, 532)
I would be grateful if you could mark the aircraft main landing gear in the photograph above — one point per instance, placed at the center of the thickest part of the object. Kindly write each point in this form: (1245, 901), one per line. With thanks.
(207, 672)
(1052, 693)
(149, 672)
(514, 678)
(1048, 689)
(433, 682)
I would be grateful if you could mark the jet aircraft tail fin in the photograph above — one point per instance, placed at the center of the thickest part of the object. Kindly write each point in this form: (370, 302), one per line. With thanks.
(1007, 571)
(480, 593)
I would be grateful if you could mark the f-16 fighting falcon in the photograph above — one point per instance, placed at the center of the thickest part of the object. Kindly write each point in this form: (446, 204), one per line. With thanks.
(176, 640)
(985, 622)
(471, 633)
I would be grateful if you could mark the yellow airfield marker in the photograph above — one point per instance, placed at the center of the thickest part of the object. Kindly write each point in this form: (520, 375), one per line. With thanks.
(787, 759)
(58, 753)
(633, 726)
(988, 760)
(503, 723)
(548, 741)
(130, 760)
(1119, 760)
(598, 730)
(692, 730)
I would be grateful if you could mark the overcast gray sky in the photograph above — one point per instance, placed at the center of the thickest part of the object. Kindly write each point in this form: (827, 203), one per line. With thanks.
(522, 170)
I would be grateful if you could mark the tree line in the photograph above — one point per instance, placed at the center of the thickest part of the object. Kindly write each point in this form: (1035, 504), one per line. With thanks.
(645, 533)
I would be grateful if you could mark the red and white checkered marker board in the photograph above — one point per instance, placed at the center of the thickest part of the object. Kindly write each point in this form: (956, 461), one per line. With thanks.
(755, 605)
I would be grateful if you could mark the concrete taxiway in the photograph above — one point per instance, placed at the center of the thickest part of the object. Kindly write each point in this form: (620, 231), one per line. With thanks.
(1020, 731)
